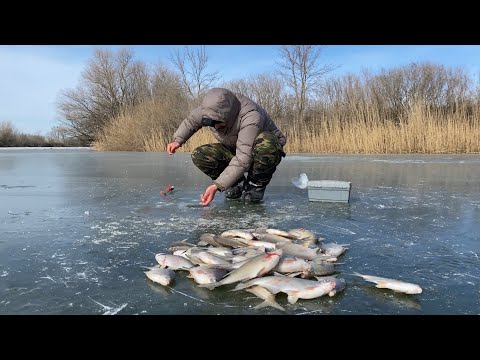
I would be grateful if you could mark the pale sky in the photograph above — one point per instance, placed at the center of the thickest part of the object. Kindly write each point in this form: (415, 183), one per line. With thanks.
(32, 76)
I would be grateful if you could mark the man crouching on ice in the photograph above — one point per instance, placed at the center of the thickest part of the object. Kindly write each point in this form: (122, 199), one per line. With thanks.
(249, 142)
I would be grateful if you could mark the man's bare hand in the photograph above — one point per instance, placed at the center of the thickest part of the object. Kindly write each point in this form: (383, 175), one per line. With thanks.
(172, 147)
(207, 197)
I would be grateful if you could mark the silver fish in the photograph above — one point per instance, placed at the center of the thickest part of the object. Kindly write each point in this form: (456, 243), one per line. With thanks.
(199, 256)
(333, 249)
(174, 249)
(323, 257)
(282, 233)
(209, 239)
(238, 233)
(206, 275)
(290, 264)
(273, 238)
(294, 287)
(234, 242)
(339, 283)
(258, 243)
(248, 251)
(304, 234)
(220, 251)
(298, 250)
(173, 262)
(256, 266)
(392, 284)
(161, 276)
(322, 268)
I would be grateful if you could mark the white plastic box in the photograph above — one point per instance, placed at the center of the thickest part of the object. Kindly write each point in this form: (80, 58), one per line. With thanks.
(329, 190)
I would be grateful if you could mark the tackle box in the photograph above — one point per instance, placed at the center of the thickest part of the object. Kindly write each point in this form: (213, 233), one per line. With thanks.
(329, 190)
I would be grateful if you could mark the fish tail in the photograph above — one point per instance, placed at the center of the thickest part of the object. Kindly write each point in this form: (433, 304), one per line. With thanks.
(269, 302)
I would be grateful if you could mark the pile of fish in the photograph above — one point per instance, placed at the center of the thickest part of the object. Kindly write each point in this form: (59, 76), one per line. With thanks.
(263, 262)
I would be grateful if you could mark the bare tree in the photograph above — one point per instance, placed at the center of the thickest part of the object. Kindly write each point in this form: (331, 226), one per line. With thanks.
(242, 86)
(59, 134)
(266, 89)
(436, 86)
(168, 93)
(192, 65)
(301, 71)
(7, 133)
(269, 93)
(109, 85)
(164, 81)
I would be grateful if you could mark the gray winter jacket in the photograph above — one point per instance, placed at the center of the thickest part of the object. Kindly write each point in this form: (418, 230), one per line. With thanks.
(244, 120)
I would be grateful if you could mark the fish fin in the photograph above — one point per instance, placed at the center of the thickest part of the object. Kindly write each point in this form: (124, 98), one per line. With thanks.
(294, 274)
(381, 285)
(241, 285)
(292, 298)
(209, 286)
(278, 274)
(269, 302)
(148, 267)
(357, 274)
(262, 272)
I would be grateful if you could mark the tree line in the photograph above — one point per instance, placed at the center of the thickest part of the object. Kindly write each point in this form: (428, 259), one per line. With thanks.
(122, 103)
(58, 137)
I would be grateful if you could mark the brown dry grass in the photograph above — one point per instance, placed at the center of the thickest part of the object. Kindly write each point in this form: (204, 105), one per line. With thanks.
(149, 128)
(419, 131)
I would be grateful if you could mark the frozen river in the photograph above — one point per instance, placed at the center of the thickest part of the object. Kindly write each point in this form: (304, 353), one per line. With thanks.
(76, 227)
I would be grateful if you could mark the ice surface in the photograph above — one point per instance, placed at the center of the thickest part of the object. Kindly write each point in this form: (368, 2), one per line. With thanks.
(78, 225)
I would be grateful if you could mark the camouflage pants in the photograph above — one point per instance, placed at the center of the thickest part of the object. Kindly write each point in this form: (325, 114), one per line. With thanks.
(267, 153)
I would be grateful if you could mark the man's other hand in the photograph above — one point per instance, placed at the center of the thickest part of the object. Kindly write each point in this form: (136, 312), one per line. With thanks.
(172, 147)
(207, 197)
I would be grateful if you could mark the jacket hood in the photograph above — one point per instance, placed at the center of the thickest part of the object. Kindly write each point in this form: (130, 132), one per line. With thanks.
(221, 105)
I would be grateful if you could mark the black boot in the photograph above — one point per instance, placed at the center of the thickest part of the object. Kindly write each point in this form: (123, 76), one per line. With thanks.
(235, 192)
(253, 193)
